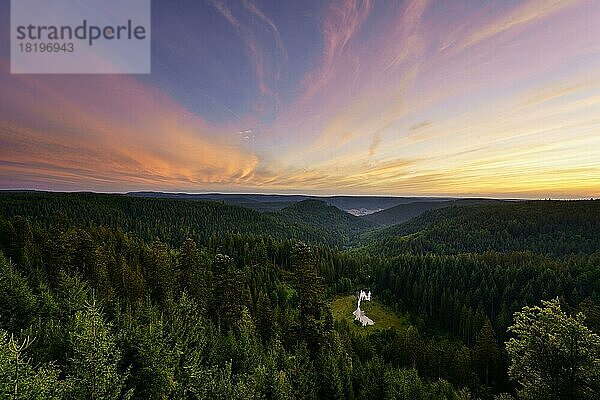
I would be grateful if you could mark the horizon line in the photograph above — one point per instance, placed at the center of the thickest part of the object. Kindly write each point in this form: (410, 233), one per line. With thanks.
(226, 193)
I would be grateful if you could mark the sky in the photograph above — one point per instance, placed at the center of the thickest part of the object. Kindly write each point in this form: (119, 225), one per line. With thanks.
(408, 97)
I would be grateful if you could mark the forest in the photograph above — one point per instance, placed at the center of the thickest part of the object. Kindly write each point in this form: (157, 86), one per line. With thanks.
(126, 297)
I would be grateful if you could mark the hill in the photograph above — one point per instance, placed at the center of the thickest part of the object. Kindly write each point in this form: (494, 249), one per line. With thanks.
(325, 217)
(258, 202)
(82, 260)
(172, 220)
(554, 228)
(404, 212)
(358, 205)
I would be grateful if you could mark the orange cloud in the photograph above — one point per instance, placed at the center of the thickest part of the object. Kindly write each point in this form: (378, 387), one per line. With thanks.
(496, 102)
(78, 136)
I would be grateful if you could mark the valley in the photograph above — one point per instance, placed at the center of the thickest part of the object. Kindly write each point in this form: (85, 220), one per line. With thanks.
(187, 287)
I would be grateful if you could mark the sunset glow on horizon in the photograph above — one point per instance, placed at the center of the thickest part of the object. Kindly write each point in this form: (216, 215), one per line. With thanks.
(431, 98)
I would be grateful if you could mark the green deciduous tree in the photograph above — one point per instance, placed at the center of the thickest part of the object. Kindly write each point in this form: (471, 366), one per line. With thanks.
(554, 355)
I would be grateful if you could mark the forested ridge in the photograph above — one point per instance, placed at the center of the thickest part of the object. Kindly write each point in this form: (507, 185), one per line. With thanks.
(330, 219)
(172, 220)
(103, 296)
(556, 228)
(405, 212)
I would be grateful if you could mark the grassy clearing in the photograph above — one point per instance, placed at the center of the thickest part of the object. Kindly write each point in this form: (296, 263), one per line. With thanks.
(342, 308)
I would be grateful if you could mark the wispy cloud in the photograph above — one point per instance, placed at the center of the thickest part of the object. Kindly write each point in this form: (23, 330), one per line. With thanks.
(527, 12)
(340, 25)
(414, 97)
(254, 52)
(253, 8)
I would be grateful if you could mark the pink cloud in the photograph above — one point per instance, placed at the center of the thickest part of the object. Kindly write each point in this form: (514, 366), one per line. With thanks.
(341, 24)
(253, 8)
(112, 129)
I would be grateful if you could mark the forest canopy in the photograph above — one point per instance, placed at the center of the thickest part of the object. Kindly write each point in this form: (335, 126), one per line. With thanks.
(110, 297)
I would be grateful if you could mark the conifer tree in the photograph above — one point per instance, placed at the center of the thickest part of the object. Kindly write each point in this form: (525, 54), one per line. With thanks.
(93, 370)
(19, 379)
(264, 318)
(308, 284)
(193, 274)
(310, 289)
(486, 353)
(147, 341)
(162, 277)
(230, 292)
(17, 302)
